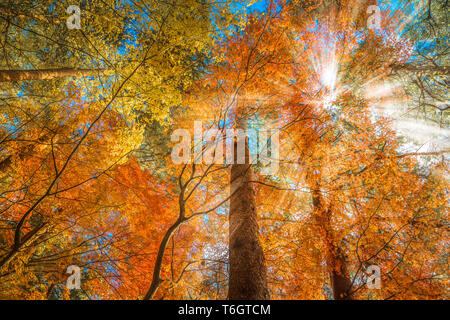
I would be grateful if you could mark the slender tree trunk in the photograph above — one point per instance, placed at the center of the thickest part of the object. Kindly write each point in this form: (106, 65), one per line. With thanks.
(425, 70)
(12, 14)
(46, 74)
(334, 257)
(248, 279)
(156, 279)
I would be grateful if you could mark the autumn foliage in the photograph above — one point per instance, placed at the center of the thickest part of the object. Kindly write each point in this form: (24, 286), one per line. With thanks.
(87, 177)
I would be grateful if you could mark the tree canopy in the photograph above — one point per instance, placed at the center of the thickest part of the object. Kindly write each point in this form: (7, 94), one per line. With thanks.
(311, 139)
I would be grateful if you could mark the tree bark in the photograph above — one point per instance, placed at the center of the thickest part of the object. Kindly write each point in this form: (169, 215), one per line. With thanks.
(10, 13)
(341, 283)
(156, 279)
(426, 70)
(247, 279)
(46, 74)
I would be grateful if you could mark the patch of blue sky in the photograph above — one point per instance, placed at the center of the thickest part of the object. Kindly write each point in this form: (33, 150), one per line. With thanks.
(258, 6)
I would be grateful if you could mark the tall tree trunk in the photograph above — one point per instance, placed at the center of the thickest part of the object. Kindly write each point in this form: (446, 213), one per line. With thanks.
(10, 13)
(334, 257)
(45, 74)
(248, 279)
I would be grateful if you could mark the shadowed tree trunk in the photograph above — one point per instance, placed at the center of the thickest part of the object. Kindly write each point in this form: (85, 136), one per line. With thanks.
(248, 278)
(46, 74)
(156, 279)
(334, 257)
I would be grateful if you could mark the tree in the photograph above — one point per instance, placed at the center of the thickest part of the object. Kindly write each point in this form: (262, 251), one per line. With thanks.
(152, 175)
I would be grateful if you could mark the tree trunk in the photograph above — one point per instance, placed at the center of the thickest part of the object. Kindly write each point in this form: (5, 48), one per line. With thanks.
(334, 257)
(156, 279)
(10, 13)
(248, 279)
(46, 74)
(425, 70)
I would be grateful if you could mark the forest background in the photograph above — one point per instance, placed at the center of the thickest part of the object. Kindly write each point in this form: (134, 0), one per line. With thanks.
(90, 99)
